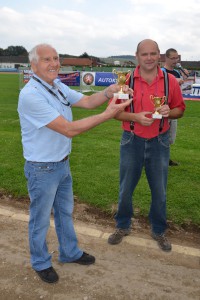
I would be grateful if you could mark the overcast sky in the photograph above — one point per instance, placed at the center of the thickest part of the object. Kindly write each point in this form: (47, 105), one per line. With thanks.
(102, 27)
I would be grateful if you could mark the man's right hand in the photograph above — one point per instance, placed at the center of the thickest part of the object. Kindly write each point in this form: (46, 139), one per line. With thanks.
(113, 108)
(142, 118)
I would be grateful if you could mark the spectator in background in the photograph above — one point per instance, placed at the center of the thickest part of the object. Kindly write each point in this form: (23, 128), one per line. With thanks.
(171, 60)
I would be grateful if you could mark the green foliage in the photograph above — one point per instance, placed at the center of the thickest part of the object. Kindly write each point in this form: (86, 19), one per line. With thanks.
(11, 171)
(85, 55)
(95, 160)
(13, 51)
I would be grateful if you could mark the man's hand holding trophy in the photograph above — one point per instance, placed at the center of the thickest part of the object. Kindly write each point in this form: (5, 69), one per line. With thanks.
(121, 80)
(157, 102)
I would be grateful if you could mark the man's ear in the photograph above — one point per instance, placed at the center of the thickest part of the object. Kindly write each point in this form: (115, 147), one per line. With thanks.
(33, 67)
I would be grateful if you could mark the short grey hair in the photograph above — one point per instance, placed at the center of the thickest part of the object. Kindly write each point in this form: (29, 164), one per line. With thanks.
(33, 54)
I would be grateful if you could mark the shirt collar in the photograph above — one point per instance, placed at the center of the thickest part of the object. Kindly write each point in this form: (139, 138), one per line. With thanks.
(49, 86)
(137, 72)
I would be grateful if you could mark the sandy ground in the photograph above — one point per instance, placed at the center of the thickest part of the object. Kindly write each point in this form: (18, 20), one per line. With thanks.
(121, 272)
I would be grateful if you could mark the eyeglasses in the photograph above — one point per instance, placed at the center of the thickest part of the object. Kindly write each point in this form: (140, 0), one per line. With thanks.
(173, 58)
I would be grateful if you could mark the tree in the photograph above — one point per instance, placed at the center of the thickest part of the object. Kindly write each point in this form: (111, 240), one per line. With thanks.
(85, 55)
(1, 52)
(14, 51)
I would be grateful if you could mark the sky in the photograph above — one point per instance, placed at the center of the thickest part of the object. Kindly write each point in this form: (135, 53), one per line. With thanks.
(102, 28)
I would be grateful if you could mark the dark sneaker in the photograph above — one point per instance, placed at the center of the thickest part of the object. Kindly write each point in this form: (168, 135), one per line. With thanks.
(162, 241)
(172, 163)
(48, 275)
(118, 235)
(85, 259)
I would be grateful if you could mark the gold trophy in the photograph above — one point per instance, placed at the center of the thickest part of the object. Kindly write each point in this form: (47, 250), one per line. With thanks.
(157, 102)
(121, 79)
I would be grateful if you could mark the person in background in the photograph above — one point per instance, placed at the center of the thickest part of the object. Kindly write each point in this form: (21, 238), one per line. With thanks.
(145, 144)
(171, 60)
(47, 127)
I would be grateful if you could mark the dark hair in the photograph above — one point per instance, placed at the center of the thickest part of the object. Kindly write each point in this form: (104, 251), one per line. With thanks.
(168, 52)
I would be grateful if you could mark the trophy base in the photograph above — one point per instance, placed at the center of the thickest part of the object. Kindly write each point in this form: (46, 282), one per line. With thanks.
(122, 96)
(156, 116)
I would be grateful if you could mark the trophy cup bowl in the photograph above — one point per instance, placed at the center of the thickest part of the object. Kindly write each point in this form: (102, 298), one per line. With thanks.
(157, 102)
(121, 79)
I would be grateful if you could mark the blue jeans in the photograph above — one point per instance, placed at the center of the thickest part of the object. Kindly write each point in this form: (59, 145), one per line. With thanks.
(50, 190)
(153, 155)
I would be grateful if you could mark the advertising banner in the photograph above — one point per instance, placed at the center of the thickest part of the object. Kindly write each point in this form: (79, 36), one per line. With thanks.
(98, 78)
(88, 78)
(104, 78)
(27, 74)
(197, 80)
(70, 79)
(191, 91)
(186, 87)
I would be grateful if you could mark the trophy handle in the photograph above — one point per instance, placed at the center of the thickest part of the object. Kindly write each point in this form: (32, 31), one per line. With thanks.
(129, 75)
(114, 71)
(163, 100)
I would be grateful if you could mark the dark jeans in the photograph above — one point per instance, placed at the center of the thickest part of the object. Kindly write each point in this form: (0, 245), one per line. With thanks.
(153, 155)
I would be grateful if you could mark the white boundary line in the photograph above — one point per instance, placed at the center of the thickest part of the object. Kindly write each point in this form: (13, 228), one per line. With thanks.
(86, 230)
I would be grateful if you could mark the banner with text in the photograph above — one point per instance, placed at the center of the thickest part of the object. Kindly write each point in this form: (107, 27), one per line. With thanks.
(98, 78)
(70, 79)
(104, 79)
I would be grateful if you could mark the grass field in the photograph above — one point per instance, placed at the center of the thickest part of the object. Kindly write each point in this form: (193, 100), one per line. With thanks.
(95, 160)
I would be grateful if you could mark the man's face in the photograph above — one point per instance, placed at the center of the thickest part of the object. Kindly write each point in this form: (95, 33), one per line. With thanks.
(172, 60)
(48, 64)
(148, 56)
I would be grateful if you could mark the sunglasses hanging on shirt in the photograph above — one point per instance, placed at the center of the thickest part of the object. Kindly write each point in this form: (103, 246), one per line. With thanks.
(67, 103)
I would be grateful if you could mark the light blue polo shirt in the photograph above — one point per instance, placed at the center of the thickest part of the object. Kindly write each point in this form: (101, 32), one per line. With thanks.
(37, 108)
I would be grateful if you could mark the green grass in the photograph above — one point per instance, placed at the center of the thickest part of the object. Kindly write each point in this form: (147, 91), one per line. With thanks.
(95, 160)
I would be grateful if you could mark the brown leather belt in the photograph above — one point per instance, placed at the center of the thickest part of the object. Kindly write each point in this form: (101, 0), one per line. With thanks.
(65, 158)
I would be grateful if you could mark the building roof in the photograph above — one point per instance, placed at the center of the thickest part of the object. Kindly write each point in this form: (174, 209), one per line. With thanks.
(191, 64)
(14, 59)
(85, 62)
(162, 57)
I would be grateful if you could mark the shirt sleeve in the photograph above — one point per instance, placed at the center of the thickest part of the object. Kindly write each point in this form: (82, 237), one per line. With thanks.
(175, 94)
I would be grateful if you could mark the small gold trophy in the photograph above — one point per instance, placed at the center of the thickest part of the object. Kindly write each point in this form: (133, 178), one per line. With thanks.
(121, 79)
(157, 102)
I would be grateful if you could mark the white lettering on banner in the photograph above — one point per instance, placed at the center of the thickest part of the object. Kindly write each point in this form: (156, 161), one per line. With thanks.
(111, 80)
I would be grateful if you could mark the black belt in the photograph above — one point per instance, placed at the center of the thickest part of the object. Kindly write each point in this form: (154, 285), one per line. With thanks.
(65, 158)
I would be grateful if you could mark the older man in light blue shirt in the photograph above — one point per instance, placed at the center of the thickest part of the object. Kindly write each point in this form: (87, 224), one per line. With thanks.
(47, 128)
(37, 108)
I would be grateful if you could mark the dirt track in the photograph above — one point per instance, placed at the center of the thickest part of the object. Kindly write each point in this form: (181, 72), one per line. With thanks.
(121, 272)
